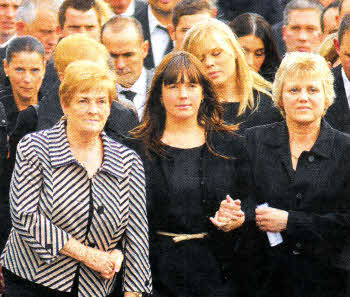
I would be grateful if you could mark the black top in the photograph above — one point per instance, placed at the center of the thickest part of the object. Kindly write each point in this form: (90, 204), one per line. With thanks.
(265, 113)
(317, 198)
(271, 12)
(338, 114)
(184, 190)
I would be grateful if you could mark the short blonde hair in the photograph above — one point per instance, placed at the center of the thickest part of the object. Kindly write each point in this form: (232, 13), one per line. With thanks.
(77, 47)
(83, 75)
(303, 65)
(196, 40)
(327, 49)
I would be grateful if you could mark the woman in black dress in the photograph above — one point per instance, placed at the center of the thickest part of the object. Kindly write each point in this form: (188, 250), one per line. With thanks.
(243, 93)
(301, 168)
(255, 37)
(192, 161)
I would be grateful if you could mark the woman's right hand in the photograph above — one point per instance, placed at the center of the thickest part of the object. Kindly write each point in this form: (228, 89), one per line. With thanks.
(229, 216)
(117, 257)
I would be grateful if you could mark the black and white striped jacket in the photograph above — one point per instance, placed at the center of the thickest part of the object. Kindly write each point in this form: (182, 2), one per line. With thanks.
(52, 199)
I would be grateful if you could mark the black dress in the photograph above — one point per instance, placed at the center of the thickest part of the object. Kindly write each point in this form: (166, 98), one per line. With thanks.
(317, 197)
(265, 113)
(184, 189)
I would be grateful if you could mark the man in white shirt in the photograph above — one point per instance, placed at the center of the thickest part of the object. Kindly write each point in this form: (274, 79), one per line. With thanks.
(123, 38)
(154, 20)
(8, 9)
(126, 7)
(338, 114)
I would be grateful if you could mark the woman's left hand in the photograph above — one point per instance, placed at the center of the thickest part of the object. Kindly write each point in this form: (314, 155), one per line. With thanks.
(271, 219)
(117, 257)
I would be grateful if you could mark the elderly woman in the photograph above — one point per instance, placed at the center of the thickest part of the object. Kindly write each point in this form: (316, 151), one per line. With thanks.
(301, 168)
(75, 196)
(243, 93)
(192, 161)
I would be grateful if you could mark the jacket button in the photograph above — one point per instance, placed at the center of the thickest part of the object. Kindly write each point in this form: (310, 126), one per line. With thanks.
(49, 246)
(299, 196)
(295, 252)
(100, 210)
(146, 283)
(3, 121)
(202, 182)
(92, 245)
(311, 158)
(298, 245)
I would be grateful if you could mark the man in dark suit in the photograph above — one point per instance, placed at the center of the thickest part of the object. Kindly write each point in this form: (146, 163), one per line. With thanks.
(155, 18)
(338, 114)
(126, 7)
(123, 39)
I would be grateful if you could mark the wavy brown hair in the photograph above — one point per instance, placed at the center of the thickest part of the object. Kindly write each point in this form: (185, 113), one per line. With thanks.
(175, 67)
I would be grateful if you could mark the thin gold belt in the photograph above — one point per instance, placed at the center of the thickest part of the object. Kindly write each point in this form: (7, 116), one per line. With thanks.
(181, 237)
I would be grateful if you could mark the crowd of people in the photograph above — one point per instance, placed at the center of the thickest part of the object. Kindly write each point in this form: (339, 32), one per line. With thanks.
(174, 148)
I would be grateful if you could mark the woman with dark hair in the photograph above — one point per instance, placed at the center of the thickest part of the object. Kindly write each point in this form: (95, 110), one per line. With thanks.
(192, 161)
(24, 65)
(255, 37)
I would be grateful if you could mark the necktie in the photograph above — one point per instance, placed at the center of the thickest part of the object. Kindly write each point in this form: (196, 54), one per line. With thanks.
(170, 44)
(130, 95)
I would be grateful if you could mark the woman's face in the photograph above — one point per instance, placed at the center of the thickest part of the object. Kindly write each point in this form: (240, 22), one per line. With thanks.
(303, 99)
(25, 72)
(219, 63)
(254, 51)
(181, 100)
(88, 111)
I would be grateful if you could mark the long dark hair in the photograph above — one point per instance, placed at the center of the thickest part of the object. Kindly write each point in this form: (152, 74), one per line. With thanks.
(174, 68)
(254, 24)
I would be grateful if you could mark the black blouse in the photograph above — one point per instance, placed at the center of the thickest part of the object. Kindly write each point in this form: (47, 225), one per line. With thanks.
(317, 198)
(184, 190)
(265, 113)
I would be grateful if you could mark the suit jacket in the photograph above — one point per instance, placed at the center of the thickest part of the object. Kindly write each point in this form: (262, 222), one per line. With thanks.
(338, 114)
(47, 210)
(142, 16)
(316, 195)
(271, 12)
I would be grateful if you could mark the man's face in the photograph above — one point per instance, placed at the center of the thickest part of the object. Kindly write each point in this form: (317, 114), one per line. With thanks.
(119, 6)
(78, 21)
(303, 32)
(164, 7)
(8, 9)
(344, 53)
(345, 9)
(128, 52)
(45, 29)
(186, 22)
(330, 21)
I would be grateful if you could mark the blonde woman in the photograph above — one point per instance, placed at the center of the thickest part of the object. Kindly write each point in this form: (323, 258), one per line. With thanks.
(244, 94)
(301, 168)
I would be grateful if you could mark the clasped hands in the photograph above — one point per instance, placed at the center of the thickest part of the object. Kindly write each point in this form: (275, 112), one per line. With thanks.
(106, 263)
(230, 217)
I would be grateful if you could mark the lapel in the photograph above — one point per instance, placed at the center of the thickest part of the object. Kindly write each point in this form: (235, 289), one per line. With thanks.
(61, 154)
(142, 16)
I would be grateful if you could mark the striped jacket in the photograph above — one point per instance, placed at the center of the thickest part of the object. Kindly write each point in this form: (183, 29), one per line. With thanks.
(52, 199)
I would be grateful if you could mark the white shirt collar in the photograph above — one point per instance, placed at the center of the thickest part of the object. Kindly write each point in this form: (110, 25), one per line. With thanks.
(139, 87)
(130, 11)
(346, 84)
(153, 22)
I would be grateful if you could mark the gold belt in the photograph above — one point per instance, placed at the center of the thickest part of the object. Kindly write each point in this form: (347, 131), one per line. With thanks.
(181, 237)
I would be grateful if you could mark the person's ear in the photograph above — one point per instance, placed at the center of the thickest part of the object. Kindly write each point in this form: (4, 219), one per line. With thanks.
(145, 47)
(6, 67)
(336, 45)
(21, 28)
(171, 30)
